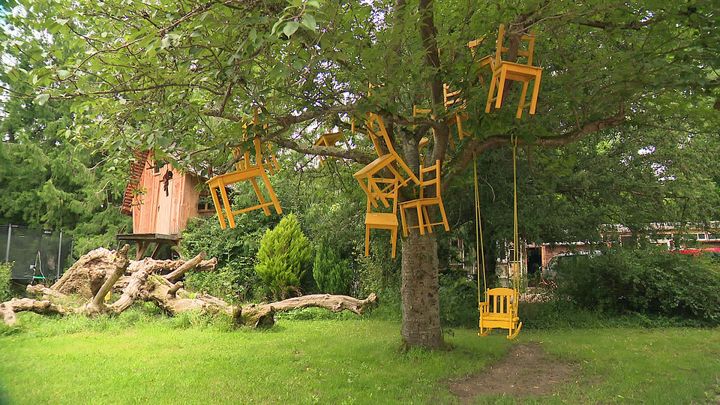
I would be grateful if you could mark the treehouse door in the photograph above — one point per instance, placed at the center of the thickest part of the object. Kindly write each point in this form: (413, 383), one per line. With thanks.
(164, 204)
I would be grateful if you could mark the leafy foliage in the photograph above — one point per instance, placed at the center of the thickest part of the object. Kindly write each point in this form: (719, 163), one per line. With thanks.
(649, 281)
(5, 287)
(458, 301)
(283, 258)
(235, 249)
(332, 275)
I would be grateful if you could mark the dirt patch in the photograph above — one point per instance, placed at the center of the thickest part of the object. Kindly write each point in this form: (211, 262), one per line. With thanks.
(526, 370)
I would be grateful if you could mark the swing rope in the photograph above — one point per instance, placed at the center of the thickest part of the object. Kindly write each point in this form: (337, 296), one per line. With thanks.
(516, 237)
(479, 245)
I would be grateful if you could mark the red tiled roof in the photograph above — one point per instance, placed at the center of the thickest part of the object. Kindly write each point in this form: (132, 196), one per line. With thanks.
(136, 171)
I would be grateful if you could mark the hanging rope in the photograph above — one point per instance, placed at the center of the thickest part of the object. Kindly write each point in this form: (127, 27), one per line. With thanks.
(479, 244)
(516, 237)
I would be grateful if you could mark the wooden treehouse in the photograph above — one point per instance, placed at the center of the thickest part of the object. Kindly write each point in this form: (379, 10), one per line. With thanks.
(161, 199)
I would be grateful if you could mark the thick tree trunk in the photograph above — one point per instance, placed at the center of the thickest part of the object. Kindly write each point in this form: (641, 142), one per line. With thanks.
(419, 290)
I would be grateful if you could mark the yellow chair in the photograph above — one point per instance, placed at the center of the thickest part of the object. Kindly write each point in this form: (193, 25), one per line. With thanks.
(383, 220)
(270, 161)
(417, 112)
(524, 73)
(500, 310)
(245, 171)
(330, 139)
(488, 60)
(453, 99)
(242, 156)
(425, 201)
(387, 159)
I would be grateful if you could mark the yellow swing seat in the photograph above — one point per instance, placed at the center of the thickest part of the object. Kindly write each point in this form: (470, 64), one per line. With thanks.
(500, 311)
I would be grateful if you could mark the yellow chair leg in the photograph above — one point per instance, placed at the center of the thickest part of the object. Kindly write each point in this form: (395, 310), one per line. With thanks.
(421, 225)
(228, 208)
(521, 104)
(404, 222)
(367, 241)
(393, 235)
(273, 196)
(260, 197)
(534, 97)
(218, 208)
(512, 333)
(426, 218)
(491, 93)
(501, 88)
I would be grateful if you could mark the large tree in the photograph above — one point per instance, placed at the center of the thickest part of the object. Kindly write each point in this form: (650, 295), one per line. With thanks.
(183, 76)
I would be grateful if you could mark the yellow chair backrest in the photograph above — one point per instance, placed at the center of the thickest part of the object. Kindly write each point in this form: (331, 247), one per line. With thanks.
(379, 135)
(500, 48)
(386, 189)
(243, 156)
(451, 98)
(433, 172)
(501, 301)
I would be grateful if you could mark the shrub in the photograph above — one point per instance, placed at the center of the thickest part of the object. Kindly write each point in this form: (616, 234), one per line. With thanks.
(235, 249)
(458, 301)
(376, 273)
(283, 258)
(5, 283)
(233, 284)
(648, 281)
(332, 274)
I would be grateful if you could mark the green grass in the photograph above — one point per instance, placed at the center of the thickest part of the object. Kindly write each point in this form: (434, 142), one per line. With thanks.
(140, 358)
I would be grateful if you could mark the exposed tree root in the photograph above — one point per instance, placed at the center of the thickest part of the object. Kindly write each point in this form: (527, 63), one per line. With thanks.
(101, 271)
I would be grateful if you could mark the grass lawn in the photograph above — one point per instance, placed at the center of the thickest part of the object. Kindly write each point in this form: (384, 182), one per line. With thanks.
(332, 361)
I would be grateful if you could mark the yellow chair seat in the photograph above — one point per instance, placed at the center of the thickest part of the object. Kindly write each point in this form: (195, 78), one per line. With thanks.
(381, 219)
(375, 166)
(233, 177)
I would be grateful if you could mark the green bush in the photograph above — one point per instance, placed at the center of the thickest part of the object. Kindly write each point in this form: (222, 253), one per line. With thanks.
(332, 274)
(647, 281)
(283, 258)
(235, 249)
(5, 283)
(233, 284)
(458, 301)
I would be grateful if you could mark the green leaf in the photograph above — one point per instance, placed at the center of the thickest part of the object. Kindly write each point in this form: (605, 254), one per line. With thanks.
(63, 74)
(276, 26)
(313, 3)
(290, 28)
(309, 21)
(41, 99)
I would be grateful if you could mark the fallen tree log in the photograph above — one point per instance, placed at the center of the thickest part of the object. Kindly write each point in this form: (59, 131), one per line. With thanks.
(45, 292)
(168, 266)
(87, 275)
(97, 304)
(263, 314)
(9, 308)
(101, 271)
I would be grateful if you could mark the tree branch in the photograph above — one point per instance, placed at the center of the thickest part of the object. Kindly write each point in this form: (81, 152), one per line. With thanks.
(428, 35)
(476, 147)
(632, 25)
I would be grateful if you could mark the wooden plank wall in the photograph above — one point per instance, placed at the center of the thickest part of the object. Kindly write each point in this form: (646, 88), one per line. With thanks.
(151, 205)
